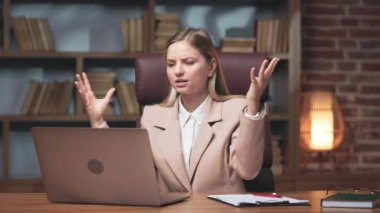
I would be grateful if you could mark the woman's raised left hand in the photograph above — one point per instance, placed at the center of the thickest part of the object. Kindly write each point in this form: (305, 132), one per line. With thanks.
(259, 84)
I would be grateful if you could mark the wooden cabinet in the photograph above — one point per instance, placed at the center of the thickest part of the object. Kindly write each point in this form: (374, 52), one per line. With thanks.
(87, 37)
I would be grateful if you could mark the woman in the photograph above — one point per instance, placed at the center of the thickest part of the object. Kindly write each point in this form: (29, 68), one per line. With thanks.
(202, 139)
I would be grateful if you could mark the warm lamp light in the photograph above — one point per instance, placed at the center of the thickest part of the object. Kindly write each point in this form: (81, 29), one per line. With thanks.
(322, 124)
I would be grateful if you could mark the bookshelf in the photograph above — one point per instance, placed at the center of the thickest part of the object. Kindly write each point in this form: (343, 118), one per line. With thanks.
(82, 45)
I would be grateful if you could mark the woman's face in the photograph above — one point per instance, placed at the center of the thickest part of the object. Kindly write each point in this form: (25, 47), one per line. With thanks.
(187, 69)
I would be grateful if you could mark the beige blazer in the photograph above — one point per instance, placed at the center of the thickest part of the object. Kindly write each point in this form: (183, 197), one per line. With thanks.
(228, 148)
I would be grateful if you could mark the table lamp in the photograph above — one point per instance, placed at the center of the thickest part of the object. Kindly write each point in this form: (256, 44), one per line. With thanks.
(322, 124)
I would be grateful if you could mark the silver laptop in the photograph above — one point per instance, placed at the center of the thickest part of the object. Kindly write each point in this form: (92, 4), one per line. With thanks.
(99, 166)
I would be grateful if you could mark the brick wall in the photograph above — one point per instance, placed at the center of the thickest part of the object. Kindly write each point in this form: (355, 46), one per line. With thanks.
(341, 53)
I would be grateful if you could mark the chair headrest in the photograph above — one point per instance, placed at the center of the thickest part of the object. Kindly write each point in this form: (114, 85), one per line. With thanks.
(152, 84)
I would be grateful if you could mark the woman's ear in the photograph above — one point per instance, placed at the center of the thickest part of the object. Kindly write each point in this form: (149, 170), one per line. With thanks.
(212, 67)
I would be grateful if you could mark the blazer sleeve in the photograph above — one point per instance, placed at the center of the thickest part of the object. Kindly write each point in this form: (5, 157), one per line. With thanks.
(247, 147)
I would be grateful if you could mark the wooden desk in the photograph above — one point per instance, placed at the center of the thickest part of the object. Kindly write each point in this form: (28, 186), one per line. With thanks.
(198, 203)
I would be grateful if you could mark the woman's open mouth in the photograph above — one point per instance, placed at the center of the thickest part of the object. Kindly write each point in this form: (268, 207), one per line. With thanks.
(179, 83)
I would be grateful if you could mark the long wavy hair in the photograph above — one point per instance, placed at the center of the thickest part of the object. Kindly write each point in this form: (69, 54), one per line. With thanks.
(200, 39)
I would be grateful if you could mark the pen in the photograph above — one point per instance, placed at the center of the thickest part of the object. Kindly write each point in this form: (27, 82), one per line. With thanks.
(274, 194)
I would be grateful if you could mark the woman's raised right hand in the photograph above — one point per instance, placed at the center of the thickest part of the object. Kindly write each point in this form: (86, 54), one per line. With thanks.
(95, 107)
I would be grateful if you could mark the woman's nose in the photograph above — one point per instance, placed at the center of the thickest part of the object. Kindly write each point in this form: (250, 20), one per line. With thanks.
(178, 71)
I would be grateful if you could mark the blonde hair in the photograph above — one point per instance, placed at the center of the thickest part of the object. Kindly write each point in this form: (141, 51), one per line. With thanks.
(200, 39)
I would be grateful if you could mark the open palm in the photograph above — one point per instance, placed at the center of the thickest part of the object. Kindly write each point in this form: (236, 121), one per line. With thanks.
(95, 107)
(259, 84)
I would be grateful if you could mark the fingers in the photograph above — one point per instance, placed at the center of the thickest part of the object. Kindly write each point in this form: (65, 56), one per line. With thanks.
(262, 69)
(269, 70)
(253, 74)
(266, 69)
(109, 94)
(79, 83)
(86, 81)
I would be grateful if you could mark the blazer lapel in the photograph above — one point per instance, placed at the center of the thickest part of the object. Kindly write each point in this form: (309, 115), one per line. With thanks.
(205, 134)
(170, 143)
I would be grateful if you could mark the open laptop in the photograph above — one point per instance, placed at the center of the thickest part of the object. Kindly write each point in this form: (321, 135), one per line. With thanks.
(99, 166)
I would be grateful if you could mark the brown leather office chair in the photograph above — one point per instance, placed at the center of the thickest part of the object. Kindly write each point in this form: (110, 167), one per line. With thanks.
(152, 85)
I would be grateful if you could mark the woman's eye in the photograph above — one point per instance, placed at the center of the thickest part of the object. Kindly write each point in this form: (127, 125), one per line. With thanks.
(189, 62)
(169, 65)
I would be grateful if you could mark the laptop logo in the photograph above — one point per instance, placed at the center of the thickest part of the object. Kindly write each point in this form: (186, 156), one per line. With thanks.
(95, 166)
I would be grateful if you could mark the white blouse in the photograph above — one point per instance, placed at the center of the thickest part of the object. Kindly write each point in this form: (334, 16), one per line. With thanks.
(189, 123)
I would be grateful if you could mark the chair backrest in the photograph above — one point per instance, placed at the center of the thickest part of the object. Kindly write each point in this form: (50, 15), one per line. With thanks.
(152, 86)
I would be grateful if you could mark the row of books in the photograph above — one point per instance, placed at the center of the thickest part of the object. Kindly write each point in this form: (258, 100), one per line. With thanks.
(33, 34)
(53, 98)
(126, 95)
(47, 98)
(243, 45)
(166, 25)
(271, 37)
(135, 34)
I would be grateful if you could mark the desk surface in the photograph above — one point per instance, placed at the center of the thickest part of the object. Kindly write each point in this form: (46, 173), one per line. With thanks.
(37, 202)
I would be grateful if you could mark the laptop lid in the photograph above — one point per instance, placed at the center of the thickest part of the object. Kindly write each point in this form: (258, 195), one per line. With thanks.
(100, 166)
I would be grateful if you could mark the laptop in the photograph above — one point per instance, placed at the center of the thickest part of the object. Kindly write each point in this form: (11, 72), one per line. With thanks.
(99, 166)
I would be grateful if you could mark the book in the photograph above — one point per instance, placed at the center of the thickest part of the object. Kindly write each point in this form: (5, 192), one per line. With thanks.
(257, 199)
(346, 200)
(29, 97)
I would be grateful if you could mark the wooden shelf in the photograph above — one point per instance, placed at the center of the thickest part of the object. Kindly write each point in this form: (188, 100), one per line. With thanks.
(281, 56)
(68, 55)
(58, 63)
(64, 118)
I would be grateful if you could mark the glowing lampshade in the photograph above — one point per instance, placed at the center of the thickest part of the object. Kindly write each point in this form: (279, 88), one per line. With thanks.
(322, 125)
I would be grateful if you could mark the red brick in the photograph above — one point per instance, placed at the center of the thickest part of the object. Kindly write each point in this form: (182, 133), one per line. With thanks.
(317, 43)
(370, 44)
(321, 2)
(344, 158)
(370, 90)
(363, 55)
(367, 101)
(371, 113)
(348, 88)
(344, 99)
(364, 169)
(349, 2)
(367, 66)
(325, 77)
(319, 21)
(324, 10)
(323, 54)
(364, 78)
(371, 159)
(371, 2)
(317, 65)
(365, 124)
(325, 33)
(370, 22)
(367, 147)
(347, 44)
(364, 11)
(347, 66)
(365, 33)
(331, 2)
(312, 87)
(369, 135)
(350, 112)
(349, 22)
